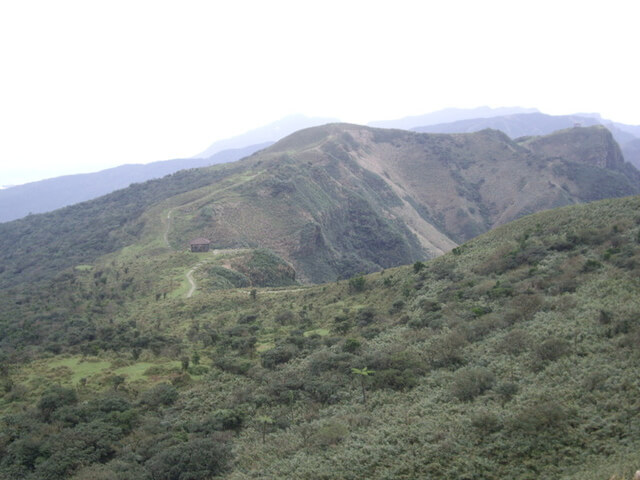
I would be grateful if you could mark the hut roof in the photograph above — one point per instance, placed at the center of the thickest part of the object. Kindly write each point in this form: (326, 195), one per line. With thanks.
(200, 241)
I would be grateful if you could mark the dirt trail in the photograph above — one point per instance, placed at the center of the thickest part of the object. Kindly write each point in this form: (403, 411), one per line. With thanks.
(280, 291)
(193, 286)
(192, 282)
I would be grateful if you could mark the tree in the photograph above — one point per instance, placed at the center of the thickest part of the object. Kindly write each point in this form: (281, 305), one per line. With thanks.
(185, 362)
(117, 381)
(264, 421)
(357, 284)
(364, 374)
(55, 398)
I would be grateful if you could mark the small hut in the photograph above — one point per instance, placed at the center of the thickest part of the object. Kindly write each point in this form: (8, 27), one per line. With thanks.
(200, 245)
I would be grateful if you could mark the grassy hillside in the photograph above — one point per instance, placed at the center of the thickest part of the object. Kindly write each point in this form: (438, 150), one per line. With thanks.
(513, 356)
(330, 201)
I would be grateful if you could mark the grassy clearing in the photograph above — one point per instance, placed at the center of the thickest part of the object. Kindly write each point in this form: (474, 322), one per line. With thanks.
(80, 367)
(322, 332)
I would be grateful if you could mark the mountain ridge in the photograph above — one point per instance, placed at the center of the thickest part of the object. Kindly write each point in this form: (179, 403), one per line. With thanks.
(331, 201)
(53, 193)
(526, 124)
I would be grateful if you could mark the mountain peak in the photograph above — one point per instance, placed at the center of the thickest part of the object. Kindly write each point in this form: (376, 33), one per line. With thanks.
(268, 133)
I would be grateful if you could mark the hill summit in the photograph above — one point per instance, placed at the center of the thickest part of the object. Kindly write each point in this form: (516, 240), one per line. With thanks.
(334, 200)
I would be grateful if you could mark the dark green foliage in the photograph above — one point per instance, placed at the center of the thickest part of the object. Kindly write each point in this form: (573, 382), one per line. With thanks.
(87, 443)
(80, 233)
(239, 366)
(219, 420)
(591, 265)
(365, 316)
(264, 268)
(278, 355)
(161, 394)
(222, 278)
(55, 398)
(523, 371)
(191, 460)
(351, 345)
(357, 284)
(448, 351)
(468, 383)
(541, 416)
(184, 361)
(549, 350)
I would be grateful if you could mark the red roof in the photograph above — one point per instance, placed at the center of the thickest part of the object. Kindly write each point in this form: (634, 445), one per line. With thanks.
(200, 241)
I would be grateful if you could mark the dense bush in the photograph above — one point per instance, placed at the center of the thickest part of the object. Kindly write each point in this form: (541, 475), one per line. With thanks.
(468, 383)
(278, 355)
(162, 394)
(191, 460)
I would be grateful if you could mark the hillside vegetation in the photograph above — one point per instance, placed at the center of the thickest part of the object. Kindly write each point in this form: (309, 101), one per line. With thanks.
(331, 201)
(513, 356)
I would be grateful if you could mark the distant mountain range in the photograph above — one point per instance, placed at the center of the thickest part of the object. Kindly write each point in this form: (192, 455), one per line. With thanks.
(268, 133)
(47, 195)
(449, 115)
(523, 124)
(50, 194)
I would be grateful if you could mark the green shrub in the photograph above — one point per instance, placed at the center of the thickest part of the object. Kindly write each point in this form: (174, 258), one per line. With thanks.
(448, 350)
(550, 350)
(55, 398)
(591, 266)
(357, 284)
(351, 345)
(542, 415)
(196, 459)
(515, 342)
(161, 394)
(486, 422)
(236, 365)
(278, 355)
(507, 390)
(330, 434)
(471, 382)
(365, 316)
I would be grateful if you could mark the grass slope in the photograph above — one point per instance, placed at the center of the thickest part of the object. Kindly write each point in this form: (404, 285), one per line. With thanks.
(514, 356)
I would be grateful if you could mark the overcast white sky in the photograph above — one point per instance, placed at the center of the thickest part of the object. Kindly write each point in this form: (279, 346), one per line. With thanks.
(85, 85)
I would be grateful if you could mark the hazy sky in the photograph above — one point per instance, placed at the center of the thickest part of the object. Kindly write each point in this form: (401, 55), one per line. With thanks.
(85, 85)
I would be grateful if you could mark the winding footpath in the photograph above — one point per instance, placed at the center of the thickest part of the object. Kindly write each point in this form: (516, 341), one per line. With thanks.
(192, 282)
(193, 286)
(189, 275)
